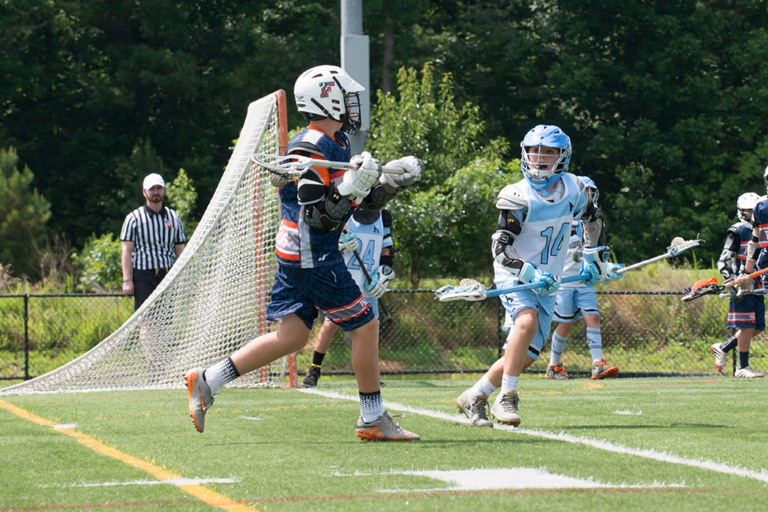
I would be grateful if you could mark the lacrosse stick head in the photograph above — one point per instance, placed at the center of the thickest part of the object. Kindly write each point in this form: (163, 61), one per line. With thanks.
(701, 287)
(468, 289)
(291, 165)
(679, 244)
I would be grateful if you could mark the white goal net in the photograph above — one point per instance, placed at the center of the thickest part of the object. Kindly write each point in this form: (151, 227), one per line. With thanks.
(213, 300)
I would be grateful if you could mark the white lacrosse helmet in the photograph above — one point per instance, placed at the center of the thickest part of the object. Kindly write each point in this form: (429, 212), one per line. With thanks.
(544, 136)
(329, 91)
(765, 179)
(745, 202)
(590, 184)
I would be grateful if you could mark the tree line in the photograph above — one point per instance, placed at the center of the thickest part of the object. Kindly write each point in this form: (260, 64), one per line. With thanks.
(664, 101)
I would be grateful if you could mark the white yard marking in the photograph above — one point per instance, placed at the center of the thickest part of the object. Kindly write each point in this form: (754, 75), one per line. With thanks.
(67, 425)
(505, 478)
(761, 475)
(628, 413)
(167, 481)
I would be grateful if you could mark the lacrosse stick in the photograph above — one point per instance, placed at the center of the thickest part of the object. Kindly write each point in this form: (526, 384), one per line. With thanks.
(297, 165)
(384, 312)
(677, 246)
(707, 286)
(471, 290)
(759, 291)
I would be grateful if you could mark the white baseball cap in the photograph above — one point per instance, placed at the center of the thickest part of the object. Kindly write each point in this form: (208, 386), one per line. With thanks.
(152, 180)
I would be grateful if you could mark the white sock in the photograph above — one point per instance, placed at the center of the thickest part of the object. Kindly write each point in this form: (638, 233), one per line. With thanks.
(509, 382)
(595, 343)
(219, 374)
(558, 345)
(371, 406)
(482, 387)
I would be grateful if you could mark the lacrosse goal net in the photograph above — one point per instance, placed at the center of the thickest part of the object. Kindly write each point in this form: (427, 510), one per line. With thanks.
(214, 298)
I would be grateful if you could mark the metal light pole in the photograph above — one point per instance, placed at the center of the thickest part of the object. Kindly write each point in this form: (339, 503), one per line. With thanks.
(355, 60)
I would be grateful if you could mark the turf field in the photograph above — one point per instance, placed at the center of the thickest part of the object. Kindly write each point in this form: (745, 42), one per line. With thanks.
(623, 444)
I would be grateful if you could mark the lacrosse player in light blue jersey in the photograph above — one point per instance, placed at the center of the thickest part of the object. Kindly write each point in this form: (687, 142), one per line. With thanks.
(368, 234)
(578, 300)
(530, 245)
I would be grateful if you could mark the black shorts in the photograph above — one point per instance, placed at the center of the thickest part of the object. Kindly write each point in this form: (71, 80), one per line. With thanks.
(144, 283)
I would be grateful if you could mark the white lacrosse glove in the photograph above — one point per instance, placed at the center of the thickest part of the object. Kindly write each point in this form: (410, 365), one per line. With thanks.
(380, 281)
(549, 284)
(613, 269)
(348, 241)
(745, 286)
(414, 170)
(357, 183)
(595, 263)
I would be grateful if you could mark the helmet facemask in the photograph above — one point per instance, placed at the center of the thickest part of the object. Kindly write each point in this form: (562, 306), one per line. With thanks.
(542, 168)
(747, 201)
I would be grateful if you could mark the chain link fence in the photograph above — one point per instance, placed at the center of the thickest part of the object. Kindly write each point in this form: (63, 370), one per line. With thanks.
(644, 333)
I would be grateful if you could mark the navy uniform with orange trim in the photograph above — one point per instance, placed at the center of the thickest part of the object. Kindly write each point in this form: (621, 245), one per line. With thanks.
(307, 244)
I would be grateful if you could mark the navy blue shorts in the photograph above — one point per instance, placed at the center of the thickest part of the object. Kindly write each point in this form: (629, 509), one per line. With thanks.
(305, 291)
(750, 312)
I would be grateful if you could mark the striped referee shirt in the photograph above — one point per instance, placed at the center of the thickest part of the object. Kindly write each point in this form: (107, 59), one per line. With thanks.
(154, 236)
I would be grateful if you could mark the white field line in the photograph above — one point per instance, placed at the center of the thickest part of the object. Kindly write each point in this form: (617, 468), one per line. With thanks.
(727, 469)
(167, 481)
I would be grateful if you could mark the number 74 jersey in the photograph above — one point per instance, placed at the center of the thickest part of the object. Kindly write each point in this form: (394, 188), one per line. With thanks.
(546, 222)
(373, 238)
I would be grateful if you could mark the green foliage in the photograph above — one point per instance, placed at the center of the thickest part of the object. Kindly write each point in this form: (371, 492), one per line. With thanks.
(23, 214)
(181, 195)
(462, 179)
(100, 264)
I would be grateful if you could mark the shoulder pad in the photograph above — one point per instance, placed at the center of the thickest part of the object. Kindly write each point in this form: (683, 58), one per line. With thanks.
(306, 147)
(386, 218)
(512, 197)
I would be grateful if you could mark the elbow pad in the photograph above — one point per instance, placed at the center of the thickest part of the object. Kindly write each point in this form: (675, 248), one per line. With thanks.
(504, 253)
(753, 249)
(380, 195)
(328, 216)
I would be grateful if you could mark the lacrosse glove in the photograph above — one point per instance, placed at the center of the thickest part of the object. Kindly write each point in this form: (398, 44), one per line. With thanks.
(380, 281)
(348, 241)
(613, 269)
(547, 283)
(357, 183)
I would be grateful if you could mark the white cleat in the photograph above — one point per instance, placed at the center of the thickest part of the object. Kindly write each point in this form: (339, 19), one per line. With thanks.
(747, 373)
(719, 358)
(505, 408)
(476, 410)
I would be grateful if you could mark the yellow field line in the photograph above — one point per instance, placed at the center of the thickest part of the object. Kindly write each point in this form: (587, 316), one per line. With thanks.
(198, 491)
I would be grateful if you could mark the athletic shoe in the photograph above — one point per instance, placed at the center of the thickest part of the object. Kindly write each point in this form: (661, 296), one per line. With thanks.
(200, 396)
(313, 374)
(557, 372)
(719, 357)
(383, 428)
(747, 373)
(475, 411)
(505, 408)
(602, 370)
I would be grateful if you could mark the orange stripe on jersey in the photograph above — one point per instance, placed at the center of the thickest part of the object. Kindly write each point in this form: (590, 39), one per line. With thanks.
(287, 256)
(290, 224)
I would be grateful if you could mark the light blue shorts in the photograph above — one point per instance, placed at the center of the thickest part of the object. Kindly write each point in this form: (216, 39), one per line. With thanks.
(544, 305)
(572, 301)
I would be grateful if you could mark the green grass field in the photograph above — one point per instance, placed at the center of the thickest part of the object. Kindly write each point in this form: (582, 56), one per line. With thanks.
(623, 444)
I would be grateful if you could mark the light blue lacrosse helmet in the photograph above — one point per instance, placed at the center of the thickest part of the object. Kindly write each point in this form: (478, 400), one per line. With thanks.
(552, 137)
(590, 184)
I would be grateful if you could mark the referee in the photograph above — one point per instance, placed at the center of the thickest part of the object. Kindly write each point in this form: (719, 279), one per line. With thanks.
(152, 238)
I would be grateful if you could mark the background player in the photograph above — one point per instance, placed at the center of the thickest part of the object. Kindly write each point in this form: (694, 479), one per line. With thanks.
(311, 274)
(529, 246)
(746, 311)
(578, 300)
(368, 234)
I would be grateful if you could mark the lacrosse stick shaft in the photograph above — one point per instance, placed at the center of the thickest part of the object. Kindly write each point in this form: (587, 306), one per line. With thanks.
(384, 310)
(744, 278)
(530, 286)
(347, 165)
(643, 263)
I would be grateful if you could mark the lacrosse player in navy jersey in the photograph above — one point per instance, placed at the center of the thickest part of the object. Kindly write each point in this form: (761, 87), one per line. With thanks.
(578, 300)
(368, 234)
(312, 274)
(746, 310)
(530, 246)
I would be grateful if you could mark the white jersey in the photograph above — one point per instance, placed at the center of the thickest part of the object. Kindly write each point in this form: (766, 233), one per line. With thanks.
(546, 223)
(372, 238)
